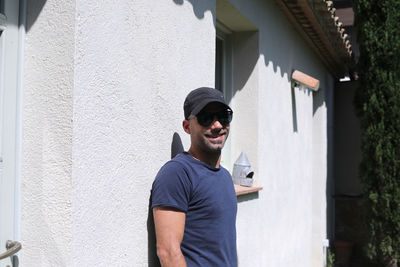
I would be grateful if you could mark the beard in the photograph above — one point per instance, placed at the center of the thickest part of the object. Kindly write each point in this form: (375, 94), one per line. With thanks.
(213, 146)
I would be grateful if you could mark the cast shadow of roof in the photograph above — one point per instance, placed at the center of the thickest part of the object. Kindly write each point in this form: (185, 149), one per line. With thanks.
(272, 45)
(33, 10)
(199, 7)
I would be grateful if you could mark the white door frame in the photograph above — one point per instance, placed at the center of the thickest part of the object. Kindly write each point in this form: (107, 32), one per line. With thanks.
(11, 59)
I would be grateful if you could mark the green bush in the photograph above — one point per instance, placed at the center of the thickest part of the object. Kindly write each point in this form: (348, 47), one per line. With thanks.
(378, 104)
(331, 259)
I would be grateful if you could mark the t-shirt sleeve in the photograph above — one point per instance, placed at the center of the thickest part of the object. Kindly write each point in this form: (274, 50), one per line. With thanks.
(171, 187)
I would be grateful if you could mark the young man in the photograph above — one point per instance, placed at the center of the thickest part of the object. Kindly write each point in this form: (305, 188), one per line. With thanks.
(193, 198)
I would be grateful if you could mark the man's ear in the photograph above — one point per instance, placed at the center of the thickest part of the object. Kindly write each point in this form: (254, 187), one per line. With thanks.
(185, 125)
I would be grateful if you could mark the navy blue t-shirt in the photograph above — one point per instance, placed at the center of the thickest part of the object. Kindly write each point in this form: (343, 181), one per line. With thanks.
(207, 196)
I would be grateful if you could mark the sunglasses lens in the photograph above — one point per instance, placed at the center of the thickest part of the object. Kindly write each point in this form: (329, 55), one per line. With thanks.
(205, 119)
(225, 118)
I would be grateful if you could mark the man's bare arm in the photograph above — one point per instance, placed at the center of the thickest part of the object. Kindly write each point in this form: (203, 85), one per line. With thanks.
(169, 224)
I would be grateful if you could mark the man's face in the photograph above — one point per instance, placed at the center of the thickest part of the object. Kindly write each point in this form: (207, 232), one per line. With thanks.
(209, 139)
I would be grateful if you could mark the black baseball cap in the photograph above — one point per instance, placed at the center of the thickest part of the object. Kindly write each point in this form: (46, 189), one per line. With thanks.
(197, 99)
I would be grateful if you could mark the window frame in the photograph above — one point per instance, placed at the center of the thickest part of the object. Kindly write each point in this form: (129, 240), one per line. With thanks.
(224, 34)
(11, 48)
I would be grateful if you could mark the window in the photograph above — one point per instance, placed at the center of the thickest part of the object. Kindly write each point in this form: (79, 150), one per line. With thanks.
(223, 60)
(219, 63)
(223, 78)
(236, 76)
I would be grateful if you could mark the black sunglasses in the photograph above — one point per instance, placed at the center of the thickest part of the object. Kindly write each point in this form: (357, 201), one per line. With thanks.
(206, 118)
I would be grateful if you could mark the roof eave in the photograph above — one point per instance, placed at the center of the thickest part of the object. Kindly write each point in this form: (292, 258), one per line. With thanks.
(316, 22)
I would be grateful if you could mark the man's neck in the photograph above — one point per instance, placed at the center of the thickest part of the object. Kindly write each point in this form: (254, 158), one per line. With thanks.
(212, 159)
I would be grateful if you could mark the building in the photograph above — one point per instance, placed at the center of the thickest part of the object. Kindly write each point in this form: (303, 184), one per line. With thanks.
(92, 95)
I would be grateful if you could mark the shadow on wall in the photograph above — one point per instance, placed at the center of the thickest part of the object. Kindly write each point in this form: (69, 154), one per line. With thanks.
(176, 148)
(272, 46)
(199, 7)
(176, 145)
(276, 52)
(245, 54)
(244, 198)
(294, 109)
(33, 9)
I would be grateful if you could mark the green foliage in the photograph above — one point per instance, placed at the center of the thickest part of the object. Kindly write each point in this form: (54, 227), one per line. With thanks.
(378, 104)
(331, 259)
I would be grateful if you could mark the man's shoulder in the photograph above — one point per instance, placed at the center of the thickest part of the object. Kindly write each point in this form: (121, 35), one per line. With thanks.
(172, 186)
(174, 166)
(224, 170)
(178, 162)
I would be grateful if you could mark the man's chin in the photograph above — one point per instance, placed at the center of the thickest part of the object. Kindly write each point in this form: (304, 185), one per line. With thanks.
(216, 147)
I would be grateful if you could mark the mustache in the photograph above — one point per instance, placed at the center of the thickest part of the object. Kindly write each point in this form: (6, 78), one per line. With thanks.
(216, 133)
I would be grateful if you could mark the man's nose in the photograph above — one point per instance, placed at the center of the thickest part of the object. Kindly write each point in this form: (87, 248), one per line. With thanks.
(216, 124)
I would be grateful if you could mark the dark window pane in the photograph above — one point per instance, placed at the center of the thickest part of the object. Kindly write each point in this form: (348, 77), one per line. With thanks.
(219, 64)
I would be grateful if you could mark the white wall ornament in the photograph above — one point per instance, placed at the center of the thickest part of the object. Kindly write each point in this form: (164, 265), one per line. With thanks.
(242, 173)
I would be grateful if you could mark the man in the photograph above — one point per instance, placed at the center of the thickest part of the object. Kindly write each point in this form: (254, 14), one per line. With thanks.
(193, 198)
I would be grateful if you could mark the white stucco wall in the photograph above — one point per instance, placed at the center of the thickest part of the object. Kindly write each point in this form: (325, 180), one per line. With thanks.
(285, 224)
(135, 61)
(105, 85)
(46, 215)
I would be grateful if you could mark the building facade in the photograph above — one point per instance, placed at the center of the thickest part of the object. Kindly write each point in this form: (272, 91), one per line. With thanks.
(97, 106)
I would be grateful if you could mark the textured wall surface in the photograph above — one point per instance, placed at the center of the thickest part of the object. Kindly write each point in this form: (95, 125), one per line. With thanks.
(135, 62)
(47, 134)
(285, 224)
(105, 84)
